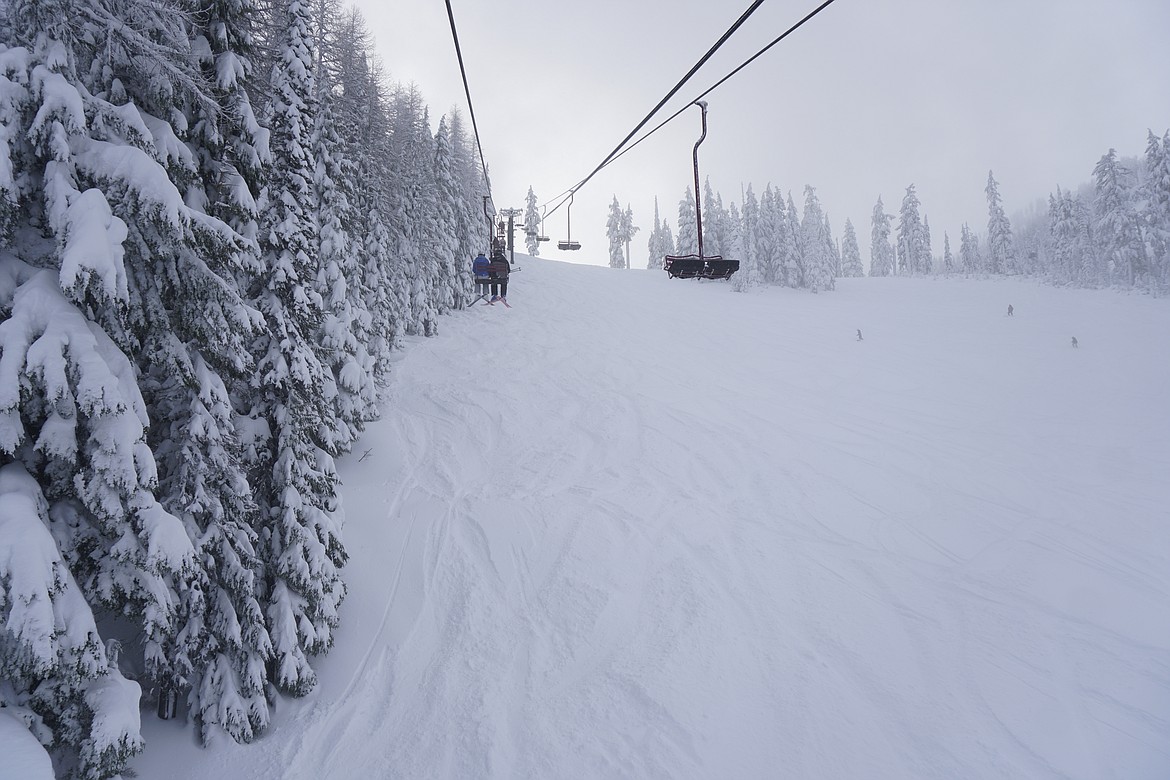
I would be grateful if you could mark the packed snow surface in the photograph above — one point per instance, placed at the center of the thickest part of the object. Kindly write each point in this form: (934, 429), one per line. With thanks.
(24, 758)
(639, 527)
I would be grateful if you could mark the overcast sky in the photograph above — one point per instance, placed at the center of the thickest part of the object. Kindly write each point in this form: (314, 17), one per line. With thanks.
(863, 100)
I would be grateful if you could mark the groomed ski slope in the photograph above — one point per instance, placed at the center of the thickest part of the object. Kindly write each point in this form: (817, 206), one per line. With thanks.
(636, 528)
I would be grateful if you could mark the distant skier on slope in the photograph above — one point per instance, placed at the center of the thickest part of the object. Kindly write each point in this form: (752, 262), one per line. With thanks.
(859, 335)
(1010, 310)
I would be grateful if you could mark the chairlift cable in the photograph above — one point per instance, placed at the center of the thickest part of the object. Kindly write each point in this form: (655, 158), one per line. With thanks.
(702, 61)
(721, 81)
(616, 154)
(467, 91)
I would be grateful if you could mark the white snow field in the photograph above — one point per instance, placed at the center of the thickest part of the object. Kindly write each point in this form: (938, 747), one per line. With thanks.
(636, 527)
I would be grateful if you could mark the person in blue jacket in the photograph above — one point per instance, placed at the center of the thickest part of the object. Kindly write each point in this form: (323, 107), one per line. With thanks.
(481, 268)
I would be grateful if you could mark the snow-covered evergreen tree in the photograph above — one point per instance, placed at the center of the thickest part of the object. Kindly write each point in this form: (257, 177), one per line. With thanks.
(531, 224)
(473, 228)
(72, 416)
(1116, 225)
(969, 257)
(177, 436)
(768, 251)
(629, 229)
(687, 242)
(1074, 259)
(1156, 213)
(834, 248)
(411, 202)
(850, 253)
(912, 253)
(58, 678)
(440, 238)
(881, 253)
(747, 244)
(449, 200)
(668, 238)
(661, 242)
(816, 245)
(716, 231)
(795, 268)
(1032, 242)
(948, 258)
(742, 279)
(1001, 253)
(342, 341)
(230, 145)
(292, 394)
(361, 115)
(161, 281)
(926, 258)
(615, 233)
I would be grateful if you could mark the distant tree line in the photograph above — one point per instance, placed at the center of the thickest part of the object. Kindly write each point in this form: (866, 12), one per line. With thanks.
(217, 221)
(775, 243)
(1113, 232)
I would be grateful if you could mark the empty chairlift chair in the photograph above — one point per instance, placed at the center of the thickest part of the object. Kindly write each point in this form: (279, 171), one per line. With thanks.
(569, 243)
(699, 266)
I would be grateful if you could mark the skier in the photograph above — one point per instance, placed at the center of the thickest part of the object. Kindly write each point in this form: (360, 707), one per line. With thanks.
(481, 268)
(859, 334)
(1074, 341)
(1010, 310)
(498, 271)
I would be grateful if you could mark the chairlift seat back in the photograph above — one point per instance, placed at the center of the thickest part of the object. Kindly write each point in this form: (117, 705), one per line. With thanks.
(683, 266)
(569, 245)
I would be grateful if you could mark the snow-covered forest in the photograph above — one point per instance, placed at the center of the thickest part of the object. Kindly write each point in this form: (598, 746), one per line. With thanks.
(1111, 232)
(217, 222)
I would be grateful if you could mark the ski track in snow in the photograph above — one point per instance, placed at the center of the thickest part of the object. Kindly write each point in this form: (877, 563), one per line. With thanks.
(635, 527)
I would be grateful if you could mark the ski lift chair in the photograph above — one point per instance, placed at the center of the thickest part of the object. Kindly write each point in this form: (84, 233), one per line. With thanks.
(568, 243)
(699, 266)
(695, 267)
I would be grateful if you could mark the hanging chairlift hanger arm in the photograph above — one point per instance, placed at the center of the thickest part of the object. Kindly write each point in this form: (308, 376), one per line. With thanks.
(569, 244)
(702, 104)
(699, 266)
